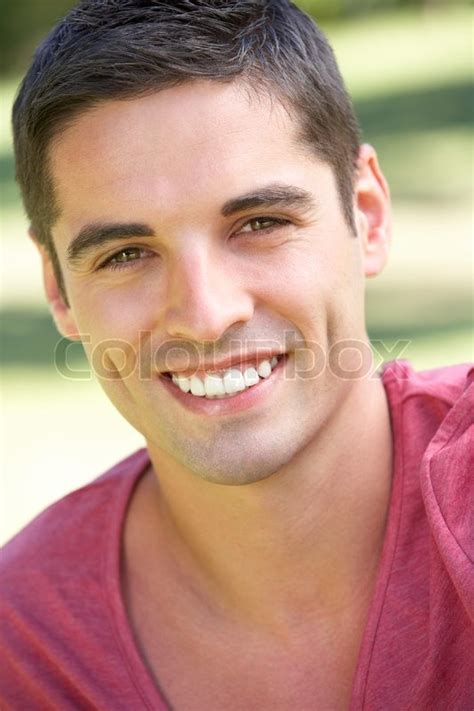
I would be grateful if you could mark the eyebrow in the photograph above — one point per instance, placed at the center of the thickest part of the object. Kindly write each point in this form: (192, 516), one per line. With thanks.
(274, 195)
(96, 235)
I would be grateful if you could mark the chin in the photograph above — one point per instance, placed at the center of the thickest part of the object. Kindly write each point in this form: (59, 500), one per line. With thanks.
(242, 466)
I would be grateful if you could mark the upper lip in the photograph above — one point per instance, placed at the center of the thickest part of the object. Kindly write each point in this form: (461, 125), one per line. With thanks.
(225, 363)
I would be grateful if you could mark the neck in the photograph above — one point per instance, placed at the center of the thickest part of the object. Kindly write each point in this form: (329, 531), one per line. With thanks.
(307, 538)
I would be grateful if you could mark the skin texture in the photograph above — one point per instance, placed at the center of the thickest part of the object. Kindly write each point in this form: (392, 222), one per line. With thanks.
(289, 496)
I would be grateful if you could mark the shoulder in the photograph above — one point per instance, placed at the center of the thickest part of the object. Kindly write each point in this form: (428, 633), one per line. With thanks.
(419, 402)
(447, 485)
(443, 384)
(59, 588)
(71, 527)
(433, 412)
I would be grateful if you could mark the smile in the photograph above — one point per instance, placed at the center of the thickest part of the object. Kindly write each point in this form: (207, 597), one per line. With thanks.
(230, 391)
(229, 382)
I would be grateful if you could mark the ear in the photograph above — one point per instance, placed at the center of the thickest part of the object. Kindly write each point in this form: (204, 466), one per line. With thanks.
(373, 212)
(60, 309)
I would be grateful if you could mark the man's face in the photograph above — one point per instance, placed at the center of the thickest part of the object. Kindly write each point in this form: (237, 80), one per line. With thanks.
(195, 277)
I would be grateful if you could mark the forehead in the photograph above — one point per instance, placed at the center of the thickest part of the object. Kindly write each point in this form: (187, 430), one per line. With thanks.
(198, 141)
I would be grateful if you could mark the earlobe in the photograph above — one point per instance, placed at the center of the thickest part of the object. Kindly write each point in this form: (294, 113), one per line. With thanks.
(60, 309)
(373, 214)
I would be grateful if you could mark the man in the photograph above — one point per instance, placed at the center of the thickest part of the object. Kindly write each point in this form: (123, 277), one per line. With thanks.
(296, 534)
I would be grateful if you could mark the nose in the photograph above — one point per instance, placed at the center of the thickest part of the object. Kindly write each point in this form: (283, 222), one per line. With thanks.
(205, 297)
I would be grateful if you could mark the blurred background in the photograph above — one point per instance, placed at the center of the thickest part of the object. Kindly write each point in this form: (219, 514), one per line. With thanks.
(408, 65)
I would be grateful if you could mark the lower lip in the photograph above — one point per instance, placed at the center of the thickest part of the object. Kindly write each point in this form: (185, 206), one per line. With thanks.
(227, 406)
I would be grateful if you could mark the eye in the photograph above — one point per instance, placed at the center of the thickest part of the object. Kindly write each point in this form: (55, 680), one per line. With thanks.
(125, 258)
(262, 224)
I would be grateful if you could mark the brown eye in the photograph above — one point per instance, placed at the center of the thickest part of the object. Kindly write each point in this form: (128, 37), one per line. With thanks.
(258, 224)
(126, 255)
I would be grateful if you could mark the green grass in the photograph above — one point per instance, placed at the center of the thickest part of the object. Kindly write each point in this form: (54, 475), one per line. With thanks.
(435, 350)
(404, 50)
(429, 166)
(7, 94)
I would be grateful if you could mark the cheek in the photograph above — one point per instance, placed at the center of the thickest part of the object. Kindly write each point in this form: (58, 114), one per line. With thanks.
(319, 287)
(295, 281)
(119, 312)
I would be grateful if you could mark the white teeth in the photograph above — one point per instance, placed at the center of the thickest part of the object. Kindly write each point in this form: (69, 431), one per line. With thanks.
(251, 377)
(183, 384)
(264, 369)
(233, 381)
(197, 386)
(214, 385)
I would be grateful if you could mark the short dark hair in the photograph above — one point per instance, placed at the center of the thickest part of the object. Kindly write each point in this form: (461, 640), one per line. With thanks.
(112, 49)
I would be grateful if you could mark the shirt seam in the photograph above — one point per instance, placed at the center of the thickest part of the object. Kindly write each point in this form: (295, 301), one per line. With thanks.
(453, 434)
(105, 590)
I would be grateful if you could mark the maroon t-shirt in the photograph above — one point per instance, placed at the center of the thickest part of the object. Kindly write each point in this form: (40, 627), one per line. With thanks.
(66, 642)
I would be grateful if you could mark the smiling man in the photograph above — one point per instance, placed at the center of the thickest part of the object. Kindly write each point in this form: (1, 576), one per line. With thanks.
(296, 533)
